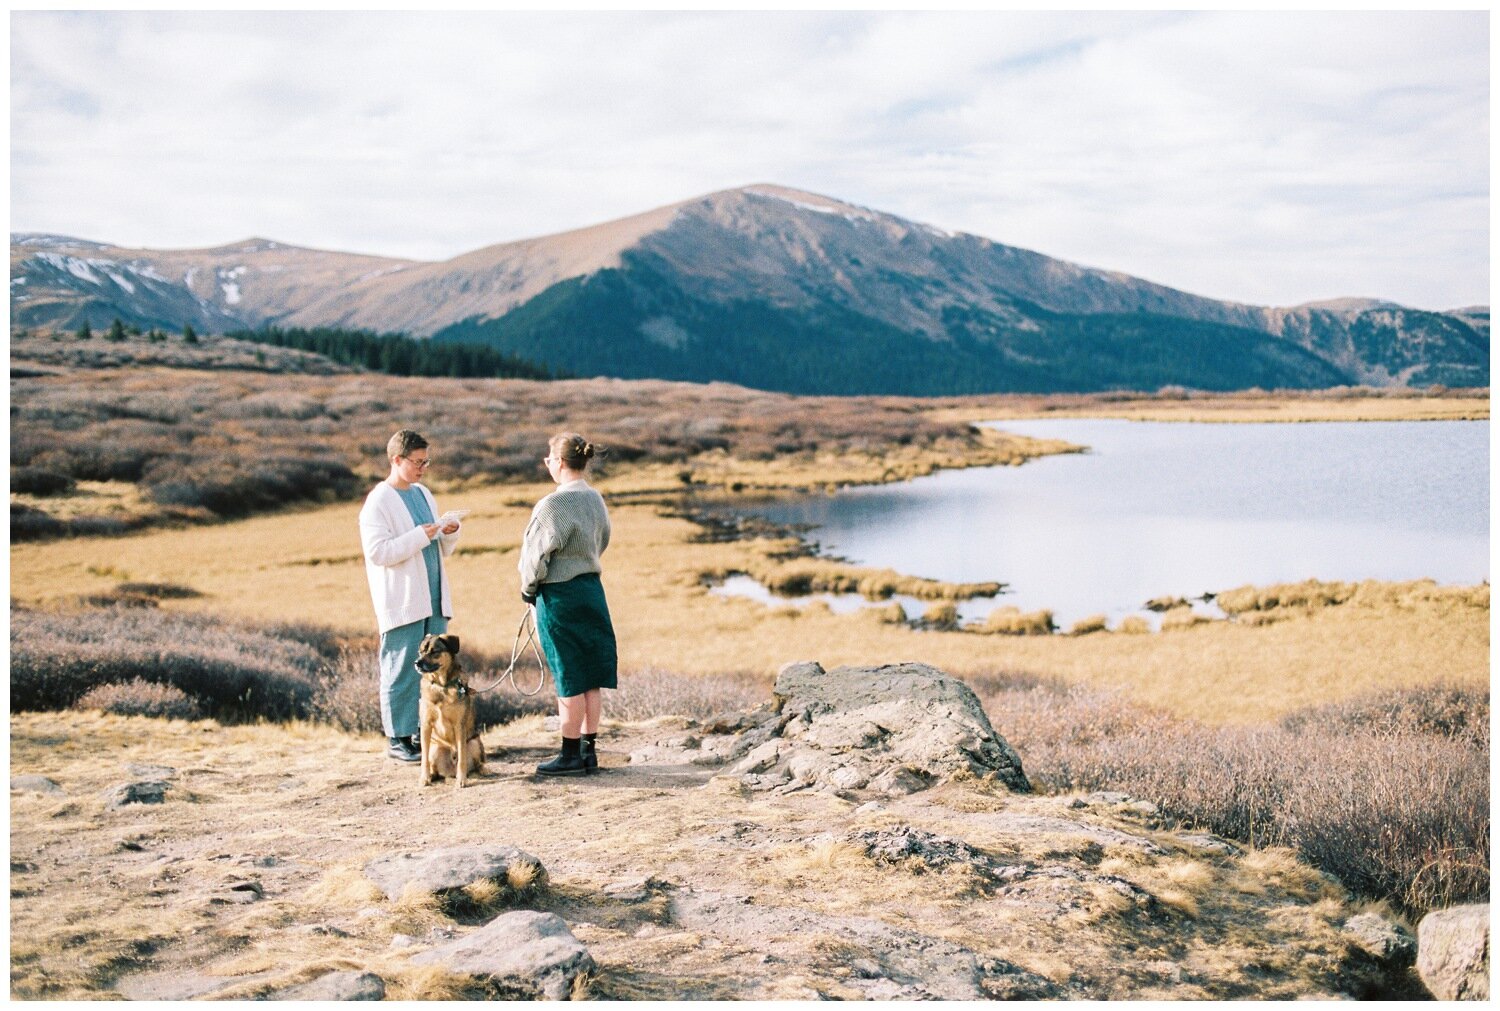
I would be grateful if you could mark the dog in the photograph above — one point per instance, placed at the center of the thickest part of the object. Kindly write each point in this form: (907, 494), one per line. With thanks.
(451, 746)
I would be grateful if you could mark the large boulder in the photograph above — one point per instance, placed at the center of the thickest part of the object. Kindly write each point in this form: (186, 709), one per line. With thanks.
(446, 870)
(522, 954)
(1453, 952)
(893, 730)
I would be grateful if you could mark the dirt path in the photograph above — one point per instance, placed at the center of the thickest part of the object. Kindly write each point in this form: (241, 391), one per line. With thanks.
(683, 886)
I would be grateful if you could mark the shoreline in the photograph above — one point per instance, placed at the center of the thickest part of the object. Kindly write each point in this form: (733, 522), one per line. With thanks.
(1225, 408)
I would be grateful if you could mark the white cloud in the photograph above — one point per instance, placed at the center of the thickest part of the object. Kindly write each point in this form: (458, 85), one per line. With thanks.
(1270, 158)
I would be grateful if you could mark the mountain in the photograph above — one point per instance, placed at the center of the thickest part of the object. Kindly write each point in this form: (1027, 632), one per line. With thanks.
(773, 288)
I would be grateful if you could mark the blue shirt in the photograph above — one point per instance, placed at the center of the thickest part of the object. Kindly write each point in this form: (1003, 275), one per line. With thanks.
(421, 514)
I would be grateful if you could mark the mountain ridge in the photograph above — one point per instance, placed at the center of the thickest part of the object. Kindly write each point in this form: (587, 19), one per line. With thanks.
(806, 287)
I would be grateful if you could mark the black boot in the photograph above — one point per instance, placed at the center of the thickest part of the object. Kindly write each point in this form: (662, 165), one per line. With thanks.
(590, 756)
(569, 761)
(402, 750)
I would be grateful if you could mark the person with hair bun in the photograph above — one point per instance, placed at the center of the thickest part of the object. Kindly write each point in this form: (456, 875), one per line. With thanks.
(559, 566)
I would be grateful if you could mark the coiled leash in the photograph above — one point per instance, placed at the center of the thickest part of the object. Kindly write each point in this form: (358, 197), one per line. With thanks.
(525, 636)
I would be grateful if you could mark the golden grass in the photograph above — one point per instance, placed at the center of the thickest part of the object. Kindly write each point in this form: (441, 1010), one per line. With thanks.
(1093, 623)
(1010, 621)
(1220, 672)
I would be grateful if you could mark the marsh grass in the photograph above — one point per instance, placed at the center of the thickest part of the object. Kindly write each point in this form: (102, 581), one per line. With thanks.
(201, 445)
(1389, 793)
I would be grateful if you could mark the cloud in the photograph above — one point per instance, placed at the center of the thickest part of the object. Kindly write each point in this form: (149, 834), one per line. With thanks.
(1270, 158)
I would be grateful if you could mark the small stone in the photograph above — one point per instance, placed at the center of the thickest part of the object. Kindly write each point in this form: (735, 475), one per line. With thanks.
(145, 792)
(403, 941)
(1383, 940)
(33, 784)
(240, 893)
(1141, 807)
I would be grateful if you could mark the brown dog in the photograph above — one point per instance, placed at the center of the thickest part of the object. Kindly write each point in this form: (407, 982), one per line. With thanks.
(450, 739)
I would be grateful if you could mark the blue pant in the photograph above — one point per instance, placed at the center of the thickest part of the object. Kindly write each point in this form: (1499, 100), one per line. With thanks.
(400, 684)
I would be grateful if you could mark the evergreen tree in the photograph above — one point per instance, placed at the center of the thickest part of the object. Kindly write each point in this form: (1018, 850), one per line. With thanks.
(116, 331)
(85, 332)
(189, 335)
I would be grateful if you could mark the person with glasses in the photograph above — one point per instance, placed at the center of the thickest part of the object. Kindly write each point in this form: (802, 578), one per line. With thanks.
(559, 565)
(404, 548)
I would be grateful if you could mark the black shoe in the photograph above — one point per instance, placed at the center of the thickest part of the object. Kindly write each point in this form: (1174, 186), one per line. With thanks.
(569, 761)
(401, 750)
(590, 756)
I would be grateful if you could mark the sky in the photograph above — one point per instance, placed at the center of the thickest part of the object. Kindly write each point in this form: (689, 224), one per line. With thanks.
(1269, 158)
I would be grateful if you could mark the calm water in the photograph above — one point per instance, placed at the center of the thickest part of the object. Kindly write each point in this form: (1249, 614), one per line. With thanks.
(1158, 509)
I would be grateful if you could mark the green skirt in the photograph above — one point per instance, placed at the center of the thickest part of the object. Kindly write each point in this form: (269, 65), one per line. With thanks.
(572, 620)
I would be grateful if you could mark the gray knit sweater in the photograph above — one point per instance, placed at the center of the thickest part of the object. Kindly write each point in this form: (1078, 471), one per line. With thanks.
(569, 530)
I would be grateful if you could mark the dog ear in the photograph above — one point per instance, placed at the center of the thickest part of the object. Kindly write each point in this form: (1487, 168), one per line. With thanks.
(451, 641)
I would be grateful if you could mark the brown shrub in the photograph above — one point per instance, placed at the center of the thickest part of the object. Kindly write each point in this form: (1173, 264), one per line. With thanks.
(648, 693)
(141, 698)
(230, 670)
(39, 482)
(1389, 794)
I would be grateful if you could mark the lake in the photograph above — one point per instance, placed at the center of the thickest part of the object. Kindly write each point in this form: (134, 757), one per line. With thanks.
(1175, 509)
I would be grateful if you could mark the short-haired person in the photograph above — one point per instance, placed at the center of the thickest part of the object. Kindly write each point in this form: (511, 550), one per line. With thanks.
(404, 551)
(559, 567)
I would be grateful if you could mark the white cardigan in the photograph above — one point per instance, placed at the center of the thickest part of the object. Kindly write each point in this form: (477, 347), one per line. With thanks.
(393, 546)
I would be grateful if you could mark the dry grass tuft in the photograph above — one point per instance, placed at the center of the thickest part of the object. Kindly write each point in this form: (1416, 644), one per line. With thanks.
(1010, 621)
(1134, 625)
(1093, 623)
(427, 982)
(1179, 618)
(941, 616)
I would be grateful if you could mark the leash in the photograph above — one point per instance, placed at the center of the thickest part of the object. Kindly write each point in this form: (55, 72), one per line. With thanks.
(525, 636)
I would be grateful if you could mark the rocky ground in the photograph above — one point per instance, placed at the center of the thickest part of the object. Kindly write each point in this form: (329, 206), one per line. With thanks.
(839, 843)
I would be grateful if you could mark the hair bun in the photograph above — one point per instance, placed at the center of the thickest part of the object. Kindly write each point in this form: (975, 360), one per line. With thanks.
(588, 450)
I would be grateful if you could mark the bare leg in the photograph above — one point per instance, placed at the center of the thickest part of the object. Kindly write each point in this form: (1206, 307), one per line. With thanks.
(572, 711)
(593, 707)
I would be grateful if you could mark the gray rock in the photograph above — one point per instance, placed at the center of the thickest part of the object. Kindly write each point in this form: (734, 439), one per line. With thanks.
(1384, 941)
(152, 791)
(891, 730)
(444, 870)
(336, 986)
(1211, 844)
(1106, 797)
(239, 893)
(33, 784)
(1453, 952)
(522, 953)
(634, 889)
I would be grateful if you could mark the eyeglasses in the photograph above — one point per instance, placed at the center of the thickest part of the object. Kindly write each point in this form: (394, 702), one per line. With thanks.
(422, 464)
